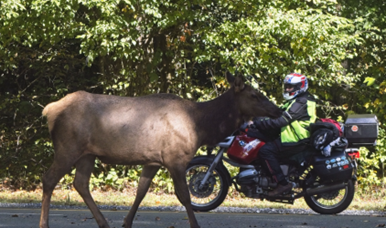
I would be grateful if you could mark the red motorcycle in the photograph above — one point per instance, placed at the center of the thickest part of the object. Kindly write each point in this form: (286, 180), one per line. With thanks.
(327, 182)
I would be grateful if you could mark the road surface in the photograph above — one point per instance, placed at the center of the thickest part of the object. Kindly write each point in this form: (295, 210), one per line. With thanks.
(82, 218)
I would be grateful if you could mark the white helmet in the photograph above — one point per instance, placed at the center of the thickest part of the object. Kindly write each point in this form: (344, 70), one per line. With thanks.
(294, 84)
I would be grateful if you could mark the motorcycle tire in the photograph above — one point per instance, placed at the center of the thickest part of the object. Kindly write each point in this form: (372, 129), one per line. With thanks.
(215, 190)
(332, 202)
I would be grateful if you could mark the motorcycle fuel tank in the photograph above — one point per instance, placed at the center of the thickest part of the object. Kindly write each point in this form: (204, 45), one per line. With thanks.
(244, 149)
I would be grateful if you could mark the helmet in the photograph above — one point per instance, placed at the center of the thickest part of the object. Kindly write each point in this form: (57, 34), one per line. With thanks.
(294, 84)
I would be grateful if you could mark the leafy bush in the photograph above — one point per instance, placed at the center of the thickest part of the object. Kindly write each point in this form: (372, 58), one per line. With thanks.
(52, 48)
(371, 165)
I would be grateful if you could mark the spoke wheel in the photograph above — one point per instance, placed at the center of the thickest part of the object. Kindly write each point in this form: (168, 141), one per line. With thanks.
(212, 193)
(332, 202)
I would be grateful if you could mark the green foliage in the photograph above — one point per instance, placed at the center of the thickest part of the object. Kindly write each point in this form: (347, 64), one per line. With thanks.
(284, 41)
(371, 164)
(118, 179)
(162, 182)
(51, 48)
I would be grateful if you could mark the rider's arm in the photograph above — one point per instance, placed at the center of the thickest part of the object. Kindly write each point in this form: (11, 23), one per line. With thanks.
(266, 123)
(297, 111)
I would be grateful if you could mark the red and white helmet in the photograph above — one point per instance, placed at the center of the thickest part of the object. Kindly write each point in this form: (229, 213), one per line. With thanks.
(294, 84)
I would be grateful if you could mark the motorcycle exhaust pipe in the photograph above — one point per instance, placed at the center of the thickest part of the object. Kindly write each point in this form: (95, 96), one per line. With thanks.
(328, 188)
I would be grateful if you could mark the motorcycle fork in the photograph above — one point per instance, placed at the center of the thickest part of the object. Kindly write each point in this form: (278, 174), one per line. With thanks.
(216, 160)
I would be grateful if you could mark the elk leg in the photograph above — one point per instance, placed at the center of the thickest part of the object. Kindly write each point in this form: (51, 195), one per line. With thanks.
(84, 167)
(56, 171)
(148, 172)
(182, 192)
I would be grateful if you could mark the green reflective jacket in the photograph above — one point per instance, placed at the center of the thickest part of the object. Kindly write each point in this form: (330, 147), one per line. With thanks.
(302, 110)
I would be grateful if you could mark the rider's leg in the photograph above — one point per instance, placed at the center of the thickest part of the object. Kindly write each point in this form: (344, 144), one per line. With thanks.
(270, 154)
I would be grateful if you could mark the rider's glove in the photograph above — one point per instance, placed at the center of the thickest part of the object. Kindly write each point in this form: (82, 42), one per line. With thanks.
(266, 123)
(244, 127)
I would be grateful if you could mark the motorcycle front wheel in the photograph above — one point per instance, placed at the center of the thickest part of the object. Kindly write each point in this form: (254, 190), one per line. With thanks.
(213, 192)
(332, 202)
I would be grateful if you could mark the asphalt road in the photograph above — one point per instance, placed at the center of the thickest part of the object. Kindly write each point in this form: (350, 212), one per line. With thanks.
(25, 218)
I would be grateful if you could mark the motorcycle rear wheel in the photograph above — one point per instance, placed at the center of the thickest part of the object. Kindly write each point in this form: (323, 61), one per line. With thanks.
(332, 202)
(214, 191)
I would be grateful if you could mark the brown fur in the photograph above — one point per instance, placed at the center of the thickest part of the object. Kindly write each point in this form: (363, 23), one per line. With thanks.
(154, 131)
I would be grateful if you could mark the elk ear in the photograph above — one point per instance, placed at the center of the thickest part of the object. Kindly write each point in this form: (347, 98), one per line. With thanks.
(239, 84)
(230, 78)
(236, 82)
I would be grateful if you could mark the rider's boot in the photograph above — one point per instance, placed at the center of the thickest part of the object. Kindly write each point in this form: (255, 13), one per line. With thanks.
(280, 189)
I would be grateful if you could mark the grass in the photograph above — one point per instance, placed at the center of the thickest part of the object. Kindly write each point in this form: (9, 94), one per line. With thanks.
(370, 200)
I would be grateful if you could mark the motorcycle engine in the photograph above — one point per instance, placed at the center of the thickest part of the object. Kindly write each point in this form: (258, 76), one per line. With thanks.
(252, 181)
(253, 177)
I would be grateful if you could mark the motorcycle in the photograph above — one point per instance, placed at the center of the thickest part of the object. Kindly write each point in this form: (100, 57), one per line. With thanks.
(327, 183)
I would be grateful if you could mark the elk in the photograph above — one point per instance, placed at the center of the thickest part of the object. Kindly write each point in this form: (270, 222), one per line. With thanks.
(154, 130)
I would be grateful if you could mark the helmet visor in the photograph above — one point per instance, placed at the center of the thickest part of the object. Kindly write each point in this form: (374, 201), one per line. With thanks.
(289, 88)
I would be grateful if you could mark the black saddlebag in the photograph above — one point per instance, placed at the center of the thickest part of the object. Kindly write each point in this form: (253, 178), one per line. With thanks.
(337, 167)
(361, 130)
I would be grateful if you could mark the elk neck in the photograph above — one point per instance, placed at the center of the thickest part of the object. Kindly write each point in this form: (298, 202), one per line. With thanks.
(217, 119)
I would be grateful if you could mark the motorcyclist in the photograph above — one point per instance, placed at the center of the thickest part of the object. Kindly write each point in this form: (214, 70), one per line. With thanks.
(299, 111)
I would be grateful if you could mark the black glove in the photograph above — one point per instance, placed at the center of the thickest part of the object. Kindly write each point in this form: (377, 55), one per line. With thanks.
(244, 127)
(267, 136)
(266, 123)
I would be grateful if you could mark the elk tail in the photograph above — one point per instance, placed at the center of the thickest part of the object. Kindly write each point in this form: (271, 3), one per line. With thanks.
(53, 109)
(49, 108)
